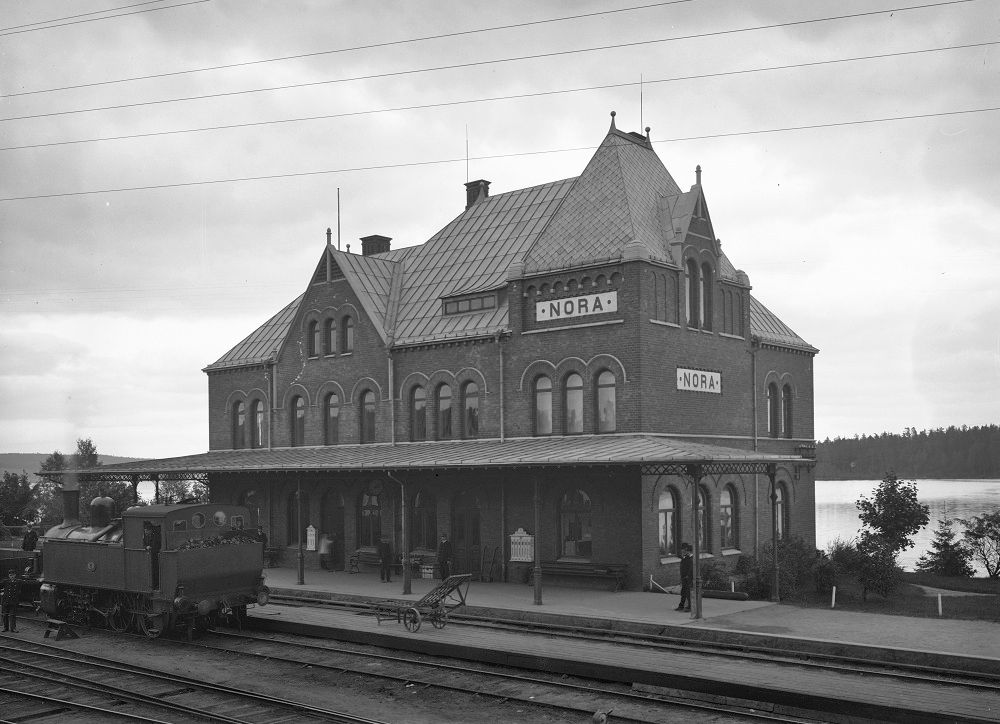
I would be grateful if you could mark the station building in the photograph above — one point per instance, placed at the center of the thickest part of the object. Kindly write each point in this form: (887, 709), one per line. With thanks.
(551, 380)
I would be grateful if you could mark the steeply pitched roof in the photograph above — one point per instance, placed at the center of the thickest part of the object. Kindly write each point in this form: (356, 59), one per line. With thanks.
(262, 344)
(471, 254)
(625, 196)
(613, 202)
(766, 326)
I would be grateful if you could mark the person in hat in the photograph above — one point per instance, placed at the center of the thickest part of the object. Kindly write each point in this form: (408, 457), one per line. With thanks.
(385, 560)
(10, 594)
(444, 556)
(687, 577)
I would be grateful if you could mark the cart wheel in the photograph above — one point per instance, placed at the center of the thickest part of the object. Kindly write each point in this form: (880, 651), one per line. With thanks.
(439, 618)
(411, 619)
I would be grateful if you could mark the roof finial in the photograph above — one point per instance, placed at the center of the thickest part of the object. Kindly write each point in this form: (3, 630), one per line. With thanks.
(613, 114)
(329, 233)
(647, 133)
(697, 174)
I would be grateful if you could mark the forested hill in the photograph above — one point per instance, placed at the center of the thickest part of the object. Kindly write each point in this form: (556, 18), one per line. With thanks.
(958, 452)
(32, 462)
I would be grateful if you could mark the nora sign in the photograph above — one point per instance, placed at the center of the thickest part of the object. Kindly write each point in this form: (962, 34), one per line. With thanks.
(577, 306)
(699, 381)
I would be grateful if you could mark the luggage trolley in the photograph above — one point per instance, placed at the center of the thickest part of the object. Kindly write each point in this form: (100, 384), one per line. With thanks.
(446, 596)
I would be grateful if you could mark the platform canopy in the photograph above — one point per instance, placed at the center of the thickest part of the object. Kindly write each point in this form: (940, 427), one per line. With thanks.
(656, 454)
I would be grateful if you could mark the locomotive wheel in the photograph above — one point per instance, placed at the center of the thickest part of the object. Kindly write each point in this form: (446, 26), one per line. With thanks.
(411, 619)
(120, 613)
(439, 618)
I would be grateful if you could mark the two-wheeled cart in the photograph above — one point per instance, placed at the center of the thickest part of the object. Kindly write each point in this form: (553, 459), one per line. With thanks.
(446, 596)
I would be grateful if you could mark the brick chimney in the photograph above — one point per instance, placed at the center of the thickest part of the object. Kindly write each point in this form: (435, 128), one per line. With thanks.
(476, 191)
(374, 244)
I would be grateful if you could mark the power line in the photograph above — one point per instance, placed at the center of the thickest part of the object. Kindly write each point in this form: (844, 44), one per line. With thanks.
(490, 99)
(14, 29)
(355, 48)
(537, 56)
(412, 164)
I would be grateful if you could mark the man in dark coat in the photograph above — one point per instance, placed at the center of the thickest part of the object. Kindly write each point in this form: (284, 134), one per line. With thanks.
(687, 577)
(29, 541)
(385, 560)
(444, 556)
(10, 594)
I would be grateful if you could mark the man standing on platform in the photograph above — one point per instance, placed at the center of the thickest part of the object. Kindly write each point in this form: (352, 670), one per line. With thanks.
(385, 560)
(444, 556)
(687, 578)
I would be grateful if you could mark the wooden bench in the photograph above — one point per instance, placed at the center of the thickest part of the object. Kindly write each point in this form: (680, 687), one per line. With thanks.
(272, 555)
(613, 573)
(368, 558)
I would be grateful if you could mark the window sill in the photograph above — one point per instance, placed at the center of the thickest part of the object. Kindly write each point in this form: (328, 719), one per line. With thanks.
(346, 354)
(669, 560)
(705, 555)
(732, 552)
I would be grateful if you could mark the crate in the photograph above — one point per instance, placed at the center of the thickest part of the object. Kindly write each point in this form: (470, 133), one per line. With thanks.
(427, 571)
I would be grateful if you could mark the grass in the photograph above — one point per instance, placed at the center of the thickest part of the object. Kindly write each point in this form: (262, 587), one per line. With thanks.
(909, 600)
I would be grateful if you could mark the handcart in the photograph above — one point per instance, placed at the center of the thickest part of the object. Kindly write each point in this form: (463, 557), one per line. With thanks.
(446, 596)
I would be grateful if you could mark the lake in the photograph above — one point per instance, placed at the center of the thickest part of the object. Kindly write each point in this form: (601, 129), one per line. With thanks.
(837, 514)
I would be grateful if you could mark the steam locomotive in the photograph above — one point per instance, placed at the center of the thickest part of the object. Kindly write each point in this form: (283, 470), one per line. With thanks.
(156, 568)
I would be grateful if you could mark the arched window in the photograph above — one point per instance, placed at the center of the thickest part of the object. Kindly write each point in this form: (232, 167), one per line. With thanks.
(703, 533)
(691, 288)
(780, 510)
(313, 338)
(470, 410)
(257, 424)
(773, 419)
(239, 425)
(606, 402)
(330, 343)
(293, 518)
(347, 335)
(728, 518)
(332, 419)
(786, 410)
(444, 412)
(369, 519)
(543, 406)
(367, 416)
(575, 525)
(425, 526)
(574, 404)
(298, 421)
(418, 414)
(707, 293)
(669, 530)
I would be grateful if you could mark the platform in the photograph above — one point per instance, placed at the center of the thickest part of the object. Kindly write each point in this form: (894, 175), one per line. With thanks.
(582, 605)
(945, 644)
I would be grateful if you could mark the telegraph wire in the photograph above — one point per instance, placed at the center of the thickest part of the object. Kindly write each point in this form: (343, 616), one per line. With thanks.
(14, 29)
(473, 64)
(435, 162)
(372, 46)
(491, 99)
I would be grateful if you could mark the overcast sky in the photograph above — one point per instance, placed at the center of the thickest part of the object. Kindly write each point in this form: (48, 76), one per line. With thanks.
(167, 177)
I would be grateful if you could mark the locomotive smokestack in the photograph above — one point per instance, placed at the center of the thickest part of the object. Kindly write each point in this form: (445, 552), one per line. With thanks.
(71, 502)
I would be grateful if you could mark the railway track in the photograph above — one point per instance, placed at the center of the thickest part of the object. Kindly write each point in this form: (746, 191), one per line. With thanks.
(42, 682)
(540, 692)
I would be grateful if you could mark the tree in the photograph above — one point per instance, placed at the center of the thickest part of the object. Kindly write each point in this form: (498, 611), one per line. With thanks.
(947, 558)
(890, 519)
(16, 496)
(49, 495)
(894, 513)
(982, 536)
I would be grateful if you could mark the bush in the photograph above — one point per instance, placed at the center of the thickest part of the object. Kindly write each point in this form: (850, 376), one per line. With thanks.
(796, 570)
(714, 575)
(824, 574)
